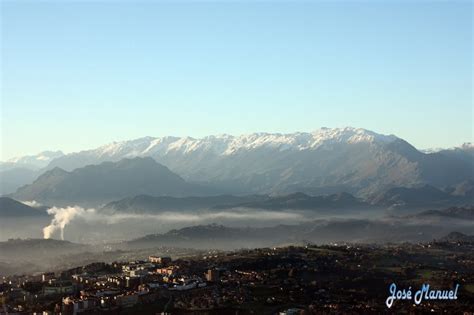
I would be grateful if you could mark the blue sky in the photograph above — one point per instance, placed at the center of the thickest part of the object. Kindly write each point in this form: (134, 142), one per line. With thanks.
(76, 75)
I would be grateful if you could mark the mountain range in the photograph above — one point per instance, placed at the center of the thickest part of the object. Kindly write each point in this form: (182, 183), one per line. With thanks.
(32, 162)
(426, 196)
(20, 171)
(297, 201)
(108, 181)
(449, 213)
(326, 161)
(317, 231)
(145, 204)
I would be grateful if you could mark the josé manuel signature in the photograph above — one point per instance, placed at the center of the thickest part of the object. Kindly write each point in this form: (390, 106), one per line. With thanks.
(424, 293)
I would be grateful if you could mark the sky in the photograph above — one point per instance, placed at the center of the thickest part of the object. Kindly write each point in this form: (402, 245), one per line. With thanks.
(79, 74)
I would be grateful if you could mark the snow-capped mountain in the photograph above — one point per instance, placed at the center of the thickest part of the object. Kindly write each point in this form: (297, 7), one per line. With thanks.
(19, 171)
(467, 146)
(324, 161)
(225, 145)
(37, 161)
(327, 160)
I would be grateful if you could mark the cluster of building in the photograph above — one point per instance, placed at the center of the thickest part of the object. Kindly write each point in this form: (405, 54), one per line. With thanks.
(290, 280)
(102, 287)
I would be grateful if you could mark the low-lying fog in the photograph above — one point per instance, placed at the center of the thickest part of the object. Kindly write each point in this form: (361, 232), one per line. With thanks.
(102, 231)
(93, 226)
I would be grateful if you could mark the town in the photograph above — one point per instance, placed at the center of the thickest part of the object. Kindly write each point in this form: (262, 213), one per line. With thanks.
(336, 278)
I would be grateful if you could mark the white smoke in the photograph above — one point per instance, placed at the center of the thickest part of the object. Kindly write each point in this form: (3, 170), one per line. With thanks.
(62, 217)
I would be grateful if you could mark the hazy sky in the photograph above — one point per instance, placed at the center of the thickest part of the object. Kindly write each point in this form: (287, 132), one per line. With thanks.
(76, 75)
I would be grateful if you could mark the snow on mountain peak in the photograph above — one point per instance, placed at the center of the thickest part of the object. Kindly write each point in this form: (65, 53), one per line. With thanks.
(350, 135)
(39, 160)
(217, 145)
(467, 146)
(228, 144)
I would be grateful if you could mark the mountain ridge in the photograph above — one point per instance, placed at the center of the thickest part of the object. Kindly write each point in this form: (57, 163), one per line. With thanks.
(355, 160)
(297, 201)
(15, 209)
(108, 181)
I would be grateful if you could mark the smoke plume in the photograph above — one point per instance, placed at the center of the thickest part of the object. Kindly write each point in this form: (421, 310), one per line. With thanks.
(62, 217)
